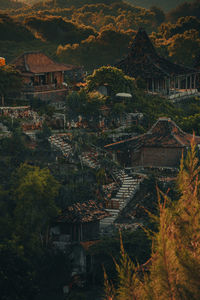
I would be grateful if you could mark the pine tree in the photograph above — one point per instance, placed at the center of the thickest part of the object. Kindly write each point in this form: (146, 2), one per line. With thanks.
(174, 268)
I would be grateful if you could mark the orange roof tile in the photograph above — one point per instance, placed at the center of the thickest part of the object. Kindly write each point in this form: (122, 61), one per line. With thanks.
(37, 62)
(83, 213)
(87, 245)
(164, 133)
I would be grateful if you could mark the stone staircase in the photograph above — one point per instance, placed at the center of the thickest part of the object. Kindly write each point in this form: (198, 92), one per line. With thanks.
(59, 143)
(90, 159)
(129, 186)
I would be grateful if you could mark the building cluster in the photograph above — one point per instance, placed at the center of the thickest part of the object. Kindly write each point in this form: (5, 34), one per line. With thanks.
(162, 146)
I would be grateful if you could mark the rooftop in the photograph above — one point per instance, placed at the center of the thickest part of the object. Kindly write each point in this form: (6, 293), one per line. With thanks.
(37, 62)
(144, 61)
(83, 213)
(164, 133)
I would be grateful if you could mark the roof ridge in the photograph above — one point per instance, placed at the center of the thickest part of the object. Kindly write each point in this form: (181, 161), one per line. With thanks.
(173, 130)
(25, 63)
(178, 140)
(155, 64)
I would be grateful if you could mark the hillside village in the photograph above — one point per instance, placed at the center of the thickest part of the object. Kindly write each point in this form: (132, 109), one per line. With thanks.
(82, 150)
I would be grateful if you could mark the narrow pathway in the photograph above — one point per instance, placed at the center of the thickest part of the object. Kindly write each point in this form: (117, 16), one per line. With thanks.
(59, 143)
(129, 186)
(90, 159)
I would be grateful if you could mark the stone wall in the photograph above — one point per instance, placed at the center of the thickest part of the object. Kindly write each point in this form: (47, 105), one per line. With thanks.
(150, 157)
(160, 157)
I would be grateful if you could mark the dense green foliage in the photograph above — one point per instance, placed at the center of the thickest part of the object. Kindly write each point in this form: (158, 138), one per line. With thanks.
(10, 4)
(57, 30)
(136, 244)
(96, 33)
(166, 5)
(27, 201)
(12, 30)
(10, 81)
(185, 9)
(96, 50)
(111, 77)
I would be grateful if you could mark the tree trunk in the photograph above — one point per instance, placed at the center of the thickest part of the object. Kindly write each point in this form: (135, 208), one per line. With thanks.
(2, 100)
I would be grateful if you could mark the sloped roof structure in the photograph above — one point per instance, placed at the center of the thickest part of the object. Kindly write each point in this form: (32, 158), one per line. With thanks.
(143, 61)
(36, 63)
(83, 213)
(164, 133)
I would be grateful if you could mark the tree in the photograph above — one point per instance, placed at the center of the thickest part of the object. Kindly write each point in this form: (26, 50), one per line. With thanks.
(112, 77)
(105, 48)
(56, 29)
(10, 81)
(10, 4)
(15, 147)
(17, 274)
(184, 9)
(75, 105)
(92, 111)
(185, 47)
(159, 15)
(34, 192)
(173, 270)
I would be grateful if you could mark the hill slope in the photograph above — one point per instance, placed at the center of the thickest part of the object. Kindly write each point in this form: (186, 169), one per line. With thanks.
(165, 5)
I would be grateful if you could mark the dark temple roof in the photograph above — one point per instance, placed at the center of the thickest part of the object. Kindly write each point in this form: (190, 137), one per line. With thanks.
(83, 213)
(143, 61)
(164, 133)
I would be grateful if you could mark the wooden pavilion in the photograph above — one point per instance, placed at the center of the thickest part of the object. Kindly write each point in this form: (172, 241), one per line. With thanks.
(160, 75)
(42, 77)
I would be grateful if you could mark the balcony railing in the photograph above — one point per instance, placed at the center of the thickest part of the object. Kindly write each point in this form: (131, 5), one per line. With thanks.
(42, 88)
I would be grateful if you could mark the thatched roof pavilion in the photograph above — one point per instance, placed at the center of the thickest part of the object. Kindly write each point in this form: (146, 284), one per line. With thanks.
(160, 74)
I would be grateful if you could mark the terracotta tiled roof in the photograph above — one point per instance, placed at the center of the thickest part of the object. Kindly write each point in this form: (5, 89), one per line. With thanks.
(145, 62)
(164, 133)
(83, 213)
(37, 62)
(87, 245)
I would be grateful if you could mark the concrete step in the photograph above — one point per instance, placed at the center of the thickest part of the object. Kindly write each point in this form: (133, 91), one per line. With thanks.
(125, 191)
(128, 187)
(123, 194)
(129, 180)
(111, 210)
(108, 221)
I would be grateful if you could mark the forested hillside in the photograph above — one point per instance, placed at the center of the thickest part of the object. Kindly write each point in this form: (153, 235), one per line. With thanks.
(10, 4)
(166, 5)
(100, 33)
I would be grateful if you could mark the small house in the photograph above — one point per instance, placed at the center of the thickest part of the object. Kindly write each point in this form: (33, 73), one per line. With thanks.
(43, 78)
(161, 146)
(77, 228)
(79, 223)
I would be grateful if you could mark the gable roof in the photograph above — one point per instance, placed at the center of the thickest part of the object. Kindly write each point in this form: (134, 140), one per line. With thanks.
(164, 133)
(83, 213)
(144, 61)
(37, 62)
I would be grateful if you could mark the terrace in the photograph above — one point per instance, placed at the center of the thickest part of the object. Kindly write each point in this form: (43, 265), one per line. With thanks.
(43, 88)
